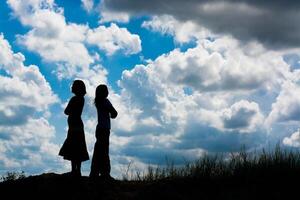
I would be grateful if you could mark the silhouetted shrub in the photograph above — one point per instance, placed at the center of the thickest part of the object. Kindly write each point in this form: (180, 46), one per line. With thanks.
(240, 164)
(10, 176)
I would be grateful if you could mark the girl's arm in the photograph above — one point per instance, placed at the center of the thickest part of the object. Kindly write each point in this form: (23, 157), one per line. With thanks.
(69, 107)
(112, 111)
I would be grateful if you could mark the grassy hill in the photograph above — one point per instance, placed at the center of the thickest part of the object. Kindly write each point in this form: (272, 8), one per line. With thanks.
(273, 175)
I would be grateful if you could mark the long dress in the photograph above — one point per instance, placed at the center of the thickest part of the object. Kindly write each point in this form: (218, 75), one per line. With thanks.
(74, 147)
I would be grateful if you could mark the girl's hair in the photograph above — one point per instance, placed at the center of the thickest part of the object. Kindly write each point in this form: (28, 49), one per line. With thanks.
(100, 94)
(78, 88)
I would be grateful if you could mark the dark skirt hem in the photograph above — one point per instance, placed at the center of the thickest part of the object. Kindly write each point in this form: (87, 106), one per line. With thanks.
(71, 159)
(74, 147)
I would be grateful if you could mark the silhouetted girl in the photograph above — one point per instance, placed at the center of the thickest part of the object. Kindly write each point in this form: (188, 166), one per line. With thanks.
(74, 147)
(105, 111)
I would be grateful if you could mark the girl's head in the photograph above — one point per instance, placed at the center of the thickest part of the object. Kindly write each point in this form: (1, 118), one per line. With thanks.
(78, 88)
(101, 93)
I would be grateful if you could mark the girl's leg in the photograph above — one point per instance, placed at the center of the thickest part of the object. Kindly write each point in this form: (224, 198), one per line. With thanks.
(95, 160)
(78, 168)
(73, 164)
(104, 154)
(100, 160)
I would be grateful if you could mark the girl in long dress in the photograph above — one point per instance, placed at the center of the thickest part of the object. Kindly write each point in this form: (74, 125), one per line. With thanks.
(74, 147)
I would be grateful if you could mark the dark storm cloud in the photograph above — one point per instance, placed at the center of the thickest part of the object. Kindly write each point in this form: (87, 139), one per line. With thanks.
(272, 22)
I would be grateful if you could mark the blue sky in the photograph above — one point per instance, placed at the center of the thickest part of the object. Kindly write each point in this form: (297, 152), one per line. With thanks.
(186, 78)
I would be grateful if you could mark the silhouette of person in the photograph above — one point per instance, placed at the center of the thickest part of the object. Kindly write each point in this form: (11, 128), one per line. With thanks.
(105, 111)
(74, 147)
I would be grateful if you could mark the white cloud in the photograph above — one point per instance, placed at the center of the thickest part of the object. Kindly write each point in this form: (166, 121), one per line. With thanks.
(293, 140)
(25, 97)
(51, 36)
(88, 5)
(287, 105)
(225, 80)
(219, 65)
(57, 48)
(24, 85)
(112, 38)
(243, 115)
(64, 43)
(182, 31)
(29, 146)
(165, 78)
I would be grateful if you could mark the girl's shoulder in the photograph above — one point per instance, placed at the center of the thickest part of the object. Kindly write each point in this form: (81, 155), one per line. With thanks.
(108, 103)
(73, 98)
(104, 103)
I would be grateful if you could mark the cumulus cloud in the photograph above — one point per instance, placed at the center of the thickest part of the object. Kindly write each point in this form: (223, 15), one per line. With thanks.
(211, 97)
(183, 32)
(220, 65)
(293, 140)
(28, 139)
(286, 107)
(25, 99)
(50, 35)
(242, 115)
(24, 85)
(65, 43)
(218, 114)
(270, 22)
(112, 38)
(88, 5)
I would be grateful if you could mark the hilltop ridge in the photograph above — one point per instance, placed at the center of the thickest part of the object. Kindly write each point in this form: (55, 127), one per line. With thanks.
(56, 186)
(272, 175)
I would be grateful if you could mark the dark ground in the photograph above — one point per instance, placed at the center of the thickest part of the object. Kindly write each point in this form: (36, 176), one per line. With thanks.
(54, 186)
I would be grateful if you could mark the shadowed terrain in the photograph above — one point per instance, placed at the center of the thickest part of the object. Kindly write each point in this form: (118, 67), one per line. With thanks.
(270, 176)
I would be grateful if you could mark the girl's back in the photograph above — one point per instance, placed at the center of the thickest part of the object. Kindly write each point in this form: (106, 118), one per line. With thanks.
(105, 111)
